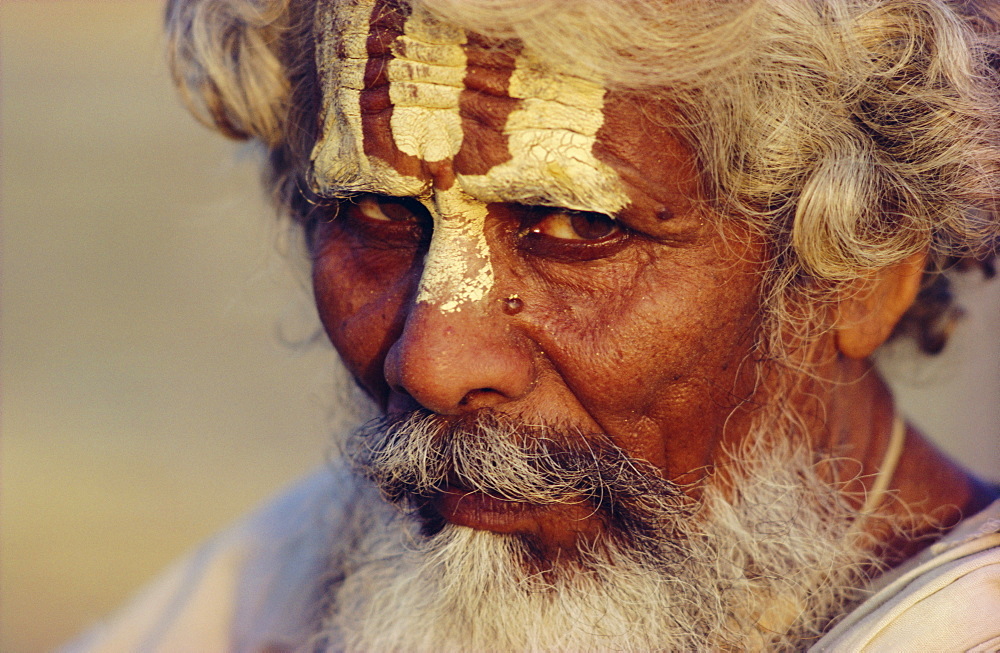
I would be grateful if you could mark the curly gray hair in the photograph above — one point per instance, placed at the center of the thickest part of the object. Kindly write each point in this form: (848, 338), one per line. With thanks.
(850, 134)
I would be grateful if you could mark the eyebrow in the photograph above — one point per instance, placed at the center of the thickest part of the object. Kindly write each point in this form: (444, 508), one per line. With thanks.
(334, 189)
(550, 192)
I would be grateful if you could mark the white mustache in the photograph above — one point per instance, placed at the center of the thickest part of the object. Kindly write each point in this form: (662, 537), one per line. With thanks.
(412, 457)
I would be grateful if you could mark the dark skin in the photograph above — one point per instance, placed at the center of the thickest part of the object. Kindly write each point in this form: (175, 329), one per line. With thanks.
(642, 326)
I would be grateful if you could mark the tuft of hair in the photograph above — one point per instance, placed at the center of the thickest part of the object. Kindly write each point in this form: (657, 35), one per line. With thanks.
(849, 134)
(225, 60)
(246, 68)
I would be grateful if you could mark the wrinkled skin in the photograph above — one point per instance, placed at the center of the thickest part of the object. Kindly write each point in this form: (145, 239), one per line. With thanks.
(528, 242)
(636, 327)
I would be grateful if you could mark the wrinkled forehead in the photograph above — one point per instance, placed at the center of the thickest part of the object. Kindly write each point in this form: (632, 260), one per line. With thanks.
(405, 95)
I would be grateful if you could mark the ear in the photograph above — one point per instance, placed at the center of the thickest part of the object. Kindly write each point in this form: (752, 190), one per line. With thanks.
(866, 318)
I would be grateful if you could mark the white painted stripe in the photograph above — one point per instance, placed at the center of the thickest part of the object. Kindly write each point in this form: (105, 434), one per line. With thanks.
(339, 161)
(339, 150)
(425, 78)
(457, 268)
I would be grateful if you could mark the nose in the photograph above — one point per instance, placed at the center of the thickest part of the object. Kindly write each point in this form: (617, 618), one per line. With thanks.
(454, 362)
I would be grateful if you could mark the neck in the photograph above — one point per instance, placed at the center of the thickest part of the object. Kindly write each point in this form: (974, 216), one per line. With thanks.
(925, 492)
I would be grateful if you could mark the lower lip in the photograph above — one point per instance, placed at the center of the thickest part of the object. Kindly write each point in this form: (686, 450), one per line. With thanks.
(483, 512)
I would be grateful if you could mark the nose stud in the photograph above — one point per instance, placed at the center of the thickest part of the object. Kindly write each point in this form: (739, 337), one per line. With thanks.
(513, 305)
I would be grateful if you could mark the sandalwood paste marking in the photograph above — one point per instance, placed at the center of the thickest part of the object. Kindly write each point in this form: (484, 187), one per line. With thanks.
(457, 268)
(551, 137)
(338, 153)
(425, 80)
(339, 160)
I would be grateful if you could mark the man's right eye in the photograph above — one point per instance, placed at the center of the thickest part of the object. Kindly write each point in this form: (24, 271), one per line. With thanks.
(389, 221)
(389, 209)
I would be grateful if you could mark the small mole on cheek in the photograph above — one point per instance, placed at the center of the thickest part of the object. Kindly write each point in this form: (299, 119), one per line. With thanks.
(664, 214)
(513, 305)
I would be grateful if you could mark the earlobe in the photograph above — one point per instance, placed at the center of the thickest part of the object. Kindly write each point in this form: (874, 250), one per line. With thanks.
(866, 318)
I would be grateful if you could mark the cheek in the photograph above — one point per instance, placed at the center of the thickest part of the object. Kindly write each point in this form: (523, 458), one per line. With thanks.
(654, 359)
(361, 298)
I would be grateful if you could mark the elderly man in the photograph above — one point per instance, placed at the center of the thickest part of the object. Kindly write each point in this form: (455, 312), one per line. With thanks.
(612, 271)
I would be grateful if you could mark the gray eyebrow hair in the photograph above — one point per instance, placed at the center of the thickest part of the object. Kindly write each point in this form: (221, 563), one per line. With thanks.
(554, 196)
(345, 191)
(534, 198)
(340, 191)
(345, 188)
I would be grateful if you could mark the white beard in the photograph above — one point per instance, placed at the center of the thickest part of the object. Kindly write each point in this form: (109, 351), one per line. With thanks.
(769, 568)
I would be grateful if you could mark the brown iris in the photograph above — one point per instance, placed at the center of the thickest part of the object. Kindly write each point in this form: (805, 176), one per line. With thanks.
(566, 234)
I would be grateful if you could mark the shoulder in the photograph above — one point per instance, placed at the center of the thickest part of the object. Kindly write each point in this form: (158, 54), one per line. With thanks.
(261, 581)
(946, 599)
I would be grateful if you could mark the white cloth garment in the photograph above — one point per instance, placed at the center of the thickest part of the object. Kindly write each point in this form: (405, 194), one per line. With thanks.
(259, 586)
(947, 598)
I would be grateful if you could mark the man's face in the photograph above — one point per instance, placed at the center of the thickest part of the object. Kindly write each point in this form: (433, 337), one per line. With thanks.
(529, 242)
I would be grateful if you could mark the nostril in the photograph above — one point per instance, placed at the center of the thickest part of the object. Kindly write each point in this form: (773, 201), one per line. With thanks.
(481, 398)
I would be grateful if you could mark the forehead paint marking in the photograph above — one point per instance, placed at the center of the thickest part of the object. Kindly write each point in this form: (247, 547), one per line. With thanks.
(342, 78)
(425, 77)
(457, 267)
(425, 82)
(550, 135)
(425, 85)
(339, 160)
(551, 138)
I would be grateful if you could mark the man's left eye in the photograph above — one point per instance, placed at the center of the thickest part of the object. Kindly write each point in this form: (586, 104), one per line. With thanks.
(574, 225)
(570, 235)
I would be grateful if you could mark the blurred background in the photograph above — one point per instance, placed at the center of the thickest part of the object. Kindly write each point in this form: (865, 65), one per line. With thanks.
(157, 374)
(156, 377)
